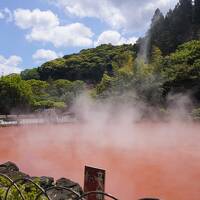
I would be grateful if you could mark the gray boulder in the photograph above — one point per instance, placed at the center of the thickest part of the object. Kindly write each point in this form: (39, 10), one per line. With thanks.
(9, 166)
(62, 194)
(11, 170)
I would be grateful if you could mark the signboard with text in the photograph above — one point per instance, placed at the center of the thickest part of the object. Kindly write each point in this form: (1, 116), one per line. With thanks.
(94, 181)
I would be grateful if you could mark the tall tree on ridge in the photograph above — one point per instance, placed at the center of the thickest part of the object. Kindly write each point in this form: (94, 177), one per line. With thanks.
(197, 12)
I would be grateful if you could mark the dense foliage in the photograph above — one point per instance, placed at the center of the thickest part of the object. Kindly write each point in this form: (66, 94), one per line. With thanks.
(19, 96)
(182, 69)
(28, 190)
(165, 61)
(54, 94)
(15, 94)
(89, 65)
(182, 24)
(131, 79)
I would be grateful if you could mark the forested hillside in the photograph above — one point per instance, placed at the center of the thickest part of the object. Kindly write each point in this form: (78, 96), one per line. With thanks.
(89, 65)
(166, 61)
(182, 24)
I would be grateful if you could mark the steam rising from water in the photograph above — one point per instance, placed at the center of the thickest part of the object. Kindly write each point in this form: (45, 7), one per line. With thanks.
(141, 159)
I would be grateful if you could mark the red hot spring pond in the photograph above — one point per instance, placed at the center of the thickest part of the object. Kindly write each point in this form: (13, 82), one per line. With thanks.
(145, 159)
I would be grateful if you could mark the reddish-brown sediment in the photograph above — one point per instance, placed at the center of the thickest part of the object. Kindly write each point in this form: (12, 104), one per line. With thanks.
(159, 160)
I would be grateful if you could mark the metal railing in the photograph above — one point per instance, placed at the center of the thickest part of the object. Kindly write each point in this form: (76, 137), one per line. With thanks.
(44, 192)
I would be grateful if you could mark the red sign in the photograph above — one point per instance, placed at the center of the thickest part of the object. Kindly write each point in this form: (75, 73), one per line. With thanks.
(94, 181)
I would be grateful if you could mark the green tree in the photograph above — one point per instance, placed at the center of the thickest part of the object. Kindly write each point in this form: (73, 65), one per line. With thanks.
(29, 74)
(89, 65)
(15, 94)
(197, 12)
(182, 69)
(66, 91)
(156, 59)
(168, 32)
(39, 89)
(104, 86)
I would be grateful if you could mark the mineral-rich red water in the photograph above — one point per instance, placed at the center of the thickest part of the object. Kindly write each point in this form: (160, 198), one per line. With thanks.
(147, 159)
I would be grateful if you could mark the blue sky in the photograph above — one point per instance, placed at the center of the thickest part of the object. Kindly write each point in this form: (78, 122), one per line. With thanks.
(35, 31)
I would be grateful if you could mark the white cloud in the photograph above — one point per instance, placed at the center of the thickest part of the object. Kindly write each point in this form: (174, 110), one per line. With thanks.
(25, 18)
(1, 15)
(45, 26)
(75, 34)
(42, 55)
(114, 38)
(10, 65)
(6, 14)
(126, 14)
(103, 10)
(131, 40)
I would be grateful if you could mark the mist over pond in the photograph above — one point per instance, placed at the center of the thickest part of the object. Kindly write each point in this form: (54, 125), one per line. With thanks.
(141, 159)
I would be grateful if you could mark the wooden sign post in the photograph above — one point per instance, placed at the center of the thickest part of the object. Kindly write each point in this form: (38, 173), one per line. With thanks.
(94, 181)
